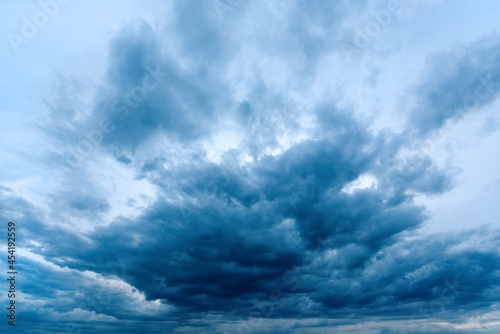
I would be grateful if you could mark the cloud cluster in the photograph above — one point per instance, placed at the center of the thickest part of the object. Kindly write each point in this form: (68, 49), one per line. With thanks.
(281, 223)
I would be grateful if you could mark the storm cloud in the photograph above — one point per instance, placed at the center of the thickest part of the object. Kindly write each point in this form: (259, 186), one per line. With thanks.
(212, 178)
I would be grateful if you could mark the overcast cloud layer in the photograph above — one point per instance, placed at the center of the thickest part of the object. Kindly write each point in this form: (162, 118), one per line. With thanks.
(236, 166)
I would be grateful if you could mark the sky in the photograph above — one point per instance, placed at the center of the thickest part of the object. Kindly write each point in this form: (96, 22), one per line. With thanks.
(236, 166)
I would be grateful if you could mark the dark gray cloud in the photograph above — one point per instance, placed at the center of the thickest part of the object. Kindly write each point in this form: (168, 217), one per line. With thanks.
(222, 239)
(456, 83)
(283, 210)
(149, 94)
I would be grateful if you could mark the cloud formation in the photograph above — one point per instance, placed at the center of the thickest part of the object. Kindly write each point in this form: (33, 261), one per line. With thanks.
(203, 186)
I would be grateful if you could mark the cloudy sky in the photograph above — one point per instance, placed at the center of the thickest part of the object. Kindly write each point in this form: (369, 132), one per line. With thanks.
(237, 166)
